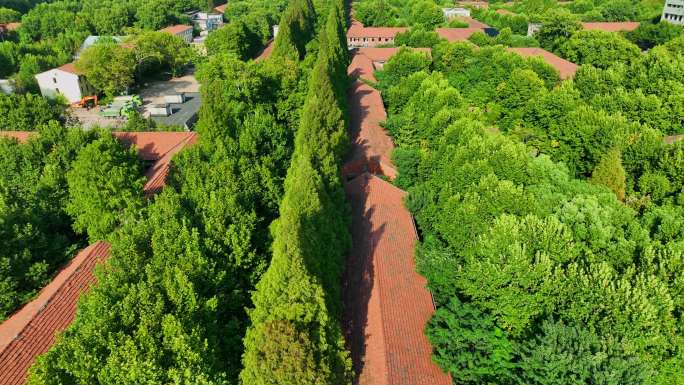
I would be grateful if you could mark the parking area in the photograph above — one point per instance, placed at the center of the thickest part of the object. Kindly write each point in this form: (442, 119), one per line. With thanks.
(90, 118)
(181, 114)
(153, 96)
(154, 92)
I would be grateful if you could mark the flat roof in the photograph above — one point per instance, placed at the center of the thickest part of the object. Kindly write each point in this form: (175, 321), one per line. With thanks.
(183, 114)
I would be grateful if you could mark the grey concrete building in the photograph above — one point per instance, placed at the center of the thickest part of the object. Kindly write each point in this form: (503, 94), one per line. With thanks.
(673, 12)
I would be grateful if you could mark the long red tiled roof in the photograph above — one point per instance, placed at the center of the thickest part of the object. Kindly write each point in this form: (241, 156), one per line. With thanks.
(159, 147)
(387, 304)
(10, 26)
(673, 138)
(266, 52)
(358, 30)
(32, 330)
(472, 23)
(565, 68)
(457, 34)
(371, 146)
(20, 136)
(152, 146)
(617, 26)
(474, 4)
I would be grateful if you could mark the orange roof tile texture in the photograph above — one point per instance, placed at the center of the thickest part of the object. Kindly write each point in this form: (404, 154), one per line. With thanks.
(32, 330)
(565, 68)
(387, 303)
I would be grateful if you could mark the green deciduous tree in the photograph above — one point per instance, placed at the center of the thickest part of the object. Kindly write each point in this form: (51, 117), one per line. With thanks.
(563, 354)
(109, 67)
(610, 173)
(649, 35)
(558, 26)
(25, 112)
(469, 345)
(598, 48)
(105, 187)
(8, 15)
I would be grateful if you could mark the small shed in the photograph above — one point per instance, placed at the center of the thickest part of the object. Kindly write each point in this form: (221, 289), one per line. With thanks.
(175, 98)
(160, 110)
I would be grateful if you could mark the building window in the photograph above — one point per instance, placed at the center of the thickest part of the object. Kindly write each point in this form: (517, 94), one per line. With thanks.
(57, 90)
(54, 80)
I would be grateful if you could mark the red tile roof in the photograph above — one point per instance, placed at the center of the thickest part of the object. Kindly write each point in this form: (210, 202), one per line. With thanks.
(387, 304)
(10, 26)
(457, 34)
(472, 23)
(357, 30)
(152, 146)
(474, 4)
(371, 146)
(221, 8)
(32, 330)
(565, 68)
(71, 68)
(176, 29)
(266, 52)
(159, 147)
(20, 136)
(673, 138)
(618, 26)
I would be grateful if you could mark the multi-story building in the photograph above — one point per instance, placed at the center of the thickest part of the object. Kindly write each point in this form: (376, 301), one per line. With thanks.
(180, 30)
(673, 12)
(452, 13)
(66, 81)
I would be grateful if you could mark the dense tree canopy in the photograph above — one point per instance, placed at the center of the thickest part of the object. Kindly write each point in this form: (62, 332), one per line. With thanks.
(25, 112)
(170, 304)
(300, 292)
(532, 257)
(42, 185)
(598, 48)
(105, 187)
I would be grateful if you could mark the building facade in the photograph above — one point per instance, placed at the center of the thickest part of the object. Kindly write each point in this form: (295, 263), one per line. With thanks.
(673, 12)
(452, 13)
(182, 31)
(65, 81)
(359, 36)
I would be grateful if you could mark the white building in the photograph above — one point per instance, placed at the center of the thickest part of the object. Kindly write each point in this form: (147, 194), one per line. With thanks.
(450, 13)
(7, 86)
(65, 80)
(673, 12)
(180, 30)
(533, 28)
(207, 22)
